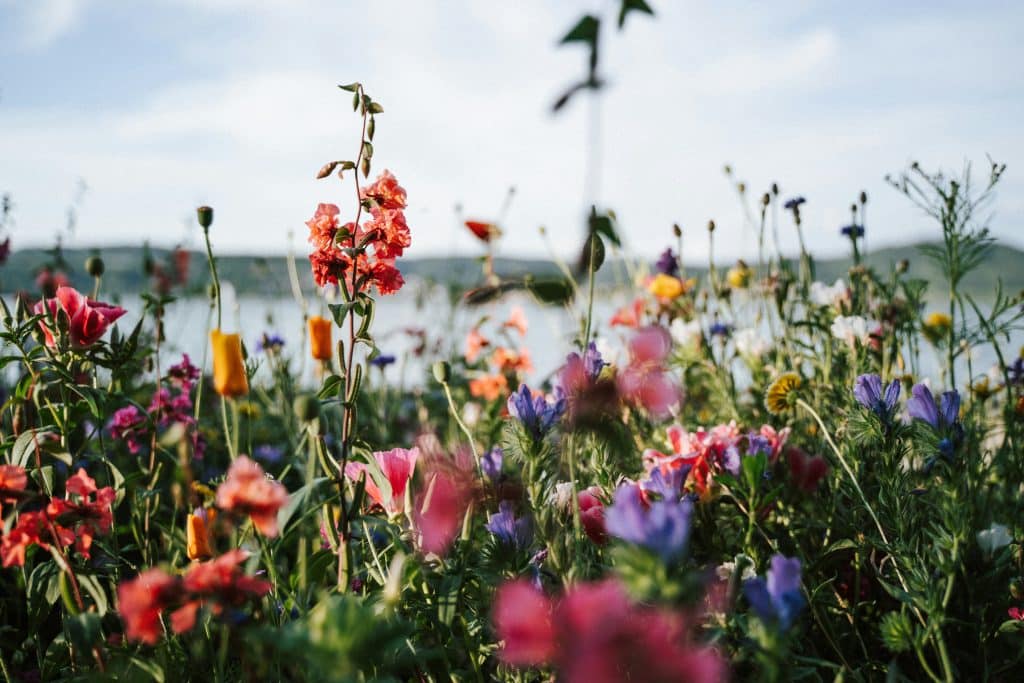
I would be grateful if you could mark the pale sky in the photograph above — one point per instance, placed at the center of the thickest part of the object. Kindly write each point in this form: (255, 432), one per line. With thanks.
(162, 105)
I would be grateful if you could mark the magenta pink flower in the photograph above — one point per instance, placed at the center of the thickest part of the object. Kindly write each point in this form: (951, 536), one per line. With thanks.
(645, 381)
(441, 507)
(88, 320)
(397, 466)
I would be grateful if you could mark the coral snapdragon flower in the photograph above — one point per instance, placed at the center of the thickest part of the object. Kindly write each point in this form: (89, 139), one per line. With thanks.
(247, 490)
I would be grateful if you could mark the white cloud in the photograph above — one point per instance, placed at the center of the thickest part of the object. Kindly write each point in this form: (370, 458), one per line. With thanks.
(41, 22)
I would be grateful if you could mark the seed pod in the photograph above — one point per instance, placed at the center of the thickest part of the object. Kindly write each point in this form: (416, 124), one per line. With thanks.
(442, 371)
(205, 216)
(94, 266)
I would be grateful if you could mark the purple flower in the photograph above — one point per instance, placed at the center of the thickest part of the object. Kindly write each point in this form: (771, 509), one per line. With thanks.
(514, 532)
(793, 204)
(268, 453)
(491, 462)
(382, 361)
(720, 329)
(868, 392)
(1017, 371)
(921, 406)
(535, 412)
(667, 482)
(853, 230)
(662, 527)
(270, 342)
(777, 598)
(667, 263)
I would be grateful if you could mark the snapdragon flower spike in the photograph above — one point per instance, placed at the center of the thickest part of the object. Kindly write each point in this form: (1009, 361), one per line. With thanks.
(776, 599)
(663, 527)
(536, 413)
(867, 389)
(509, 530)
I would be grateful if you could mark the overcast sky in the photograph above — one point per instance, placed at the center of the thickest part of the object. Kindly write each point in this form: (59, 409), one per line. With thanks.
(163, 105)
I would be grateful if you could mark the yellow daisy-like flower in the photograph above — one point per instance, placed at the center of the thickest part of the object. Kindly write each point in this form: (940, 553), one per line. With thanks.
(666, 287)
(782, 392)
(739, 276)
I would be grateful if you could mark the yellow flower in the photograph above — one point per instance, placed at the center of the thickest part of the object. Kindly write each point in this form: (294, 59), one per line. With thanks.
(250, 410)
(938, 320)
(197, 536)
(229, 378)
(983, 388)
(320, 342)
(739, 276)
(666, 286)
(782, 392)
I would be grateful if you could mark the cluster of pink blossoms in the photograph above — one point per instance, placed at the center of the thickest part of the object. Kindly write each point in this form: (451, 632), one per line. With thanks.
(385, 235)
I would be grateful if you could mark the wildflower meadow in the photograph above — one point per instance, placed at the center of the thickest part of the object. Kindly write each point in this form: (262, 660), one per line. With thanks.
(738, 471)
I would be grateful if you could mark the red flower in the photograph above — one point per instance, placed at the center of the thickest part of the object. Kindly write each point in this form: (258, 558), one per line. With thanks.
(483, 231)
(386, 192)
(141, 600)
(248, 491)
(33, 528)
(88, 320)
(805, 470)
(12, 482)
(90, 516)
(1016, 613)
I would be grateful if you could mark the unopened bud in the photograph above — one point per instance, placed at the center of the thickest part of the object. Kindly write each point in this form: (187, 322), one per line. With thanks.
(676, 230)
(766, 199)
(863, 197)
(94, 266)
(742, 187)
(442, 371)
(775, 189)
(711, 226)
(902, 266)
(306, 407)
(205, 216)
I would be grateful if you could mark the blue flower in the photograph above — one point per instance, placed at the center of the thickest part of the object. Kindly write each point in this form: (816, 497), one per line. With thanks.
(491, 462)
(535, 412)
(511, 531)
(667, 263)
(268, 453)
(921, 406)
(868, 392)
(853, 230)
(720, 329)
(777, 598)
(270, 342)
(662, 527)
(382, 361)
(794, 203)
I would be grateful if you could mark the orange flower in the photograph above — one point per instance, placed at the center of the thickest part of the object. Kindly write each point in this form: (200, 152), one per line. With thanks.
(517, 321)
(488, 387)
(320, 342)
(197, 534)
(248, 491)
(229, 377)
(629, 316)
(483, 231)
(510, 360)
(475, 342)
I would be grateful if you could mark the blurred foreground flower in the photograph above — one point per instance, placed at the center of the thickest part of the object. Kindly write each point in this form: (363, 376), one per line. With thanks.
(248, 491)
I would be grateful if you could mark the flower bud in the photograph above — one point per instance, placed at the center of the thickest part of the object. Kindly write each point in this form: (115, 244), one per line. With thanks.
(442, 371)
(711, 226)
(205, 216)
(94, 266)
(229, 376)
(197, 537)
(306, 407)
(676, 230)
(863, 197)
(320, 345)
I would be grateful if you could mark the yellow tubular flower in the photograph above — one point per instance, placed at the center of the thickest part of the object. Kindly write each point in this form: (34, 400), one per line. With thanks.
(739, 276)
(320, 341)
(782, 392)
(229, 378)
(665, 286)
(197, 537)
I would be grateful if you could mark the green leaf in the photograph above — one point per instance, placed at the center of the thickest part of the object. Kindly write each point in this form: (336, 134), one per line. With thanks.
(351, 87)
(633, 6)
(585, 31)
(550, 290)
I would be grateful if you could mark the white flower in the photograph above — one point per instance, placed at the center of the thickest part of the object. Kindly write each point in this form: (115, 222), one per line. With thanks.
(853, 329)
(562, 495)
(751, 344)
(686, 334)
(725, 571)
(471, 413)
(825, 295)
(993, 538)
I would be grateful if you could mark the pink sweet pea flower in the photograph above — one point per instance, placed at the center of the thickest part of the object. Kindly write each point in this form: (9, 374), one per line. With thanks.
(88, 320)
(397, 466)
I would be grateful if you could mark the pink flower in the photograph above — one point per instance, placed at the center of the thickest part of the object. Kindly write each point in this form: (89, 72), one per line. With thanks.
(805, 470)
(440, 509)
(1016, 613)
(248, 491)
(776, 439)
(397, 466)
(592, 515)
(517, 321)
(629, 316)
(88, 320)
(522, 618)
(475, 343)
(141, 600)
(645, 381)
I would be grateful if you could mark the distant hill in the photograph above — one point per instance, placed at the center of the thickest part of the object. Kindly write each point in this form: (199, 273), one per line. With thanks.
(268, 275)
